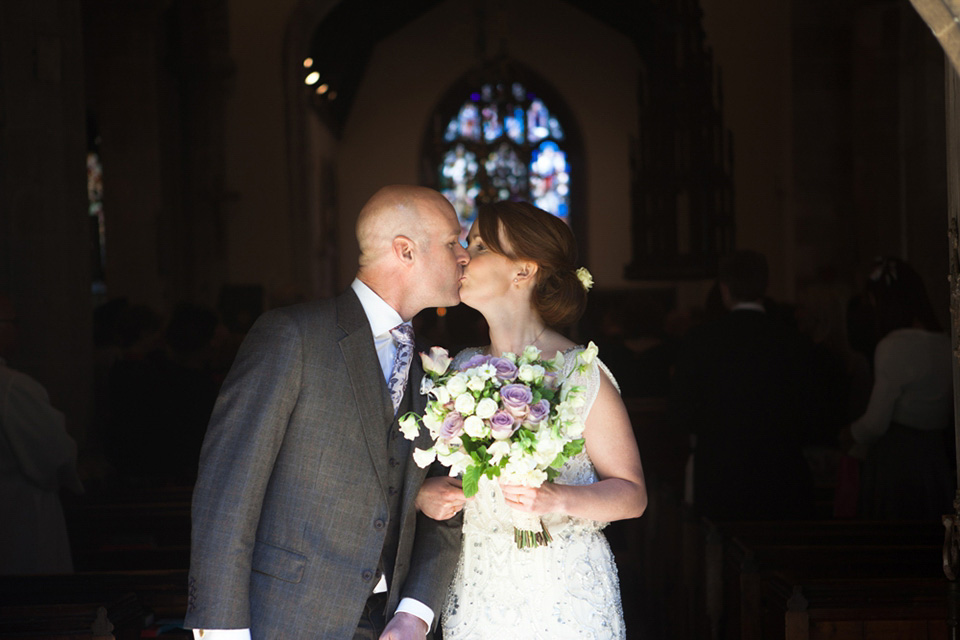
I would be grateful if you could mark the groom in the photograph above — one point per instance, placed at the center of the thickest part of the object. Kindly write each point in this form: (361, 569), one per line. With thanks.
(304, 524)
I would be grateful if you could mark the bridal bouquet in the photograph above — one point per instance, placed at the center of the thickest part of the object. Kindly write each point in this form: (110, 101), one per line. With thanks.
(508, 417)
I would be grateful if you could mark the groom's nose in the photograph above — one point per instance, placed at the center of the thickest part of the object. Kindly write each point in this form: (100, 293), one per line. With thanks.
(462, 256)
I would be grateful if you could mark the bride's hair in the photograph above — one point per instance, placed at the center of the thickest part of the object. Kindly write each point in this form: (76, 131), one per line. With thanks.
(559, 296)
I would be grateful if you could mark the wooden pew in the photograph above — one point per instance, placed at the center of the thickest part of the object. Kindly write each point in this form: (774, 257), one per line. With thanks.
(741, 557)
(66, 606)
(129, 535)
(853, 609)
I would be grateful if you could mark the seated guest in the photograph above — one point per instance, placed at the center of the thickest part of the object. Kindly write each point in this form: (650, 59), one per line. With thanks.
(905, 435)
(37, 458)
(737, 388)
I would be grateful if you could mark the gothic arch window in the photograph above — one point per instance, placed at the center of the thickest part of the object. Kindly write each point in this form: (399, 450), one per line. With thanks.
(503, 138)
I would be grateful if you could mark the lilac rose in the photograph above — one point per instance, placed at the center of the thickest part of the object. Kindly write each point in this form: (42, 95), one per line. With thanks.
(538, 412)
(550, 380)
(475, 361)
(506, 370)
(502, 425)
(452, 426)
(516, 399)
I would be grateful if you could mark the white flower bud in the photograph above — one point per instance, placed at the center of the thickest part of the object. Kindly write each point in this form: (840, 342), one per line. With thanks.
(424, 457)
(409, 427)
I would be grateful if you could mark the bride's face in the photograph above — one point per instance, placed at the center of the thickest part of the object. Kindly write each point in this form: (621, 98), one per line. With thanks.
(489, 275)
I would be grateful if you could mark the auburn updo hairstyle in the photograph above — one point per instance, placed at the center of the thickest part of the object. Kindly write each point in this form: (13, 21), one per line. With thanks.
(535, 235)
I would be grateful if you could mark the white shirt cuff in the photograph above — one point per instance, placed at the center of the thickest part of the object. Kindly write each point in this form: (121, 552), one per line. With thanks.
(221, 634)
(417, 608)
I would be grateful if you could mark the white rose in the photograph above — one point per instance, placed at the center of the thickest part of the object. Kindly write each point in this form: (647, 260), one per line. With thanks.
(526, 373)
(476, 383)
(547, 449)
(409, 427)
(486, 408)
(424, 457)
(437, 361)
(465, 404)
(475, 427)
(530, 353)
(457, 384)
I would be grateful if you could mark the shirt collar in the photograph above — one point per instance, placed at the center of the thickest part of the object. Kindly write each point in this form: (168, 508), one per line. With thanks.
(381, 316)
(748, 306)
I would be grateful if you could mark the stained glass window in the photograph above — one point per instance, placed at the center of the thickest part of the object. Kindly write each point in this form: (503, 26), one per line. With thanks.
(503, 143)
(98, 242)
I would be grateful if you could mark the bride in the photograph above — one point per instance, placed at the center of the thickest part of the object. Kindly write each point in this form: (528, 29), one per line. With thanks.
(522, 279)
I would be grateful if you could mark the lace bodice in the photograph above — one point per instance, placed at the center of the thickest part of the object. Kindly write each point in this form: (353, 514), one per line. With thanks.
(567, 589)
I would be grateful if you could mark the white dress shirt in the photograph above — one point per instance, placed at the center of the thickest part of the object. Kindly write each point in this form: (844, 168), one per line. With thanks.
(382, 318)
(913, 384)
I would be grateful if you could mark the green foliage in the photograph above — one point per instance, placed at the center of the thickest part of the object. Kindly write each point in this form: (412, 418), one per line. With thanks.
(471, 480)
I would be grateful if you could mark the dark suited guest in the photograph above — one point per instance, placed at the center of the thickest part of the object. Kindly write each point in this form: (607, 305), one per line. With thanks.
(737, 388)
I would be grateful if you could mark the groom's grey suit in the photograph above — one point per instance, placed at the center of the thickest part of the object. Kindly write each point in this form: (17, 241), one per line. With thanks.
(295, 498)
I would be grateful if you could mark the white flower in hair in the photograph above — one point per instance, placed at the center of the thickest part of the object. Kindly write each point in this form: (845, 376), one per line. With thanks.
(585, 278)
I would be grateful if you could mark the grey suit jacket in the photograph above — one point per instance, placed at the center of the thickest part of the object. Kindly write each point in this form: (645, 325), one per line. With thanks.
(290, 508)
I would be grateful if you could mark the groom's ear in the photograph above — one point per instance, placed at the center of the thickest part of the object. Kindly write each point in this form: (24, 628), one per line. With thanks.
(403, 249)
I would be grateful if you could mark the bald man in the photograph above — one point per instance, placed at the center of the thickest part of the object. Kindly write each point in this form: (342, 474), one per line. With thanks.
(304, 522)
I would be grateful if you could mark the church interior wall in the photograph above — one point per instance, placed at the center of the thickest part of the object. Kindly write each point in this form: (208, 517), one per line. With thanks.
(258, 232)
(410, 71)
(754, 57)
(836, 111)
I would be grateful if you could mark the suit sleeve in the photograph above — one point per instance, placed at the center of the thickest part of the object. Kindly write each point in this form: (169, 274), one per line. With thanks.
(241, 446)
(433, 561)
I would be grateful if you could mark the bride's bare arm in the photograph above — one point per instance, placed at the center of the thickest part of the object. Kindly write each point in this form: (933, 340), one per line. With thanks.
(621, 492)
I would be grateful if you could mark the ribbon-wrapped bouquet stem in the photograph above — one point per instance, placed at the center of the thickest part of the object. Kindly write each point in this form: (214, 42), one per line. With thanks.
(508, 417)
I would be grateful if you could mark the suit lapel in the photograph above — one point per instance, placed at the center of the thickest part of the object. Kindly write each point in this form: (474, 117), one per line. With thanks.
(369, 388)
(418, 402)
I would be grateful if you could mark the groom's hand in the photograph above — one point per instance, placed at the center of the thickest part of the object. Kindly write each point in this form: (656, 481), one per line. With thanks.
(440, 497)
(405, 626)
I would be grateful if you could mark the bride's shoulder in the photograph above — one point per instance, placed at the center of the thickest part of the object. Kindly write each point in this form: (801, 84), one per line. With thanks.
(591, 358)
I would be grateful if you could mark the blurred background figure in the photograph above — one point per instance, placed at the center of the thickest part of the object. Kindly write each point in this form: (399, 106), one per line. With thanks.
(162, 392)
(738, 388)
(37, 459)
(905, 436)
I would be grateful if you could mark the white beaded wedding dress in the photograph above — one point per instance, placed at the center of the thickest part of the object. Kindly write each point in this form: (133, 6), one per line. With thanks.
(567, 589)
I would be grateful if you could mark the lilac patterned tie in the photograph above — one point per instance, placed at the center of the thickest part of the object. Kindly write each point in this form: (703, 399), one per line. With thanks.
(403, 335)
